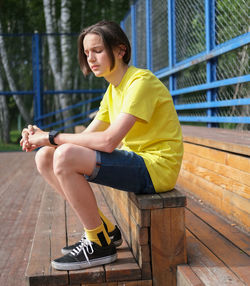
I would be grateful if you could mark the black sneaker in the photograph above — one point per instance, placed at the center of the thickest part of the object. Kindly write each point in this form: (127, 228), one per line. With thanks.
(87, 254)
(115, 237)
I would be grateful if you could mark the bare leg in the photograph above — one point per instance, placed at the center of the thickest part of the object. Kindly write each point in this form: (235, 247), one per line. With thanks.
(70, 163)
(44, 162)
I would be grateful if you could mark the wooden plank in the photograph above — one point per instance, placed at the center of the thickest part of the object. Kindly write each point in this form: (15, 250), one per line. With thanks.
(136, 283)
(239, 162)
(210, 269)
(221, 169)
(127, 207)
(19, 208)
(168, 246)
(147, 201)
(217, 197)
(228, 253)
(39, 271)
(224, 139)
(205, 153)
(57, 237)
(237, 237)
(186, 277)
(173, 199)
(74, 233)
(217, 179)
(124, 268)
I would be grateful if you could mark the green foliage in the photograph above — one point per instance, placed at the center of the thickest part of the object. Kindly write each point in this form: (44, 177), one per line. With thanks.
(14, 142)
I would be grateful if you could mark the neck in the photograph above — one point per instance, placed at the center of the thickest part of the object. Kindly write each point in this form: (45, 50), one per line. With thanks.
(115, 77)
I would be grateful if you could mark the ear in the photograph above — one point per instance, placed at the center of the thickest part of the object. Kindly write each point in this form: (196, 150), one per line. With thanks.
(122, 51)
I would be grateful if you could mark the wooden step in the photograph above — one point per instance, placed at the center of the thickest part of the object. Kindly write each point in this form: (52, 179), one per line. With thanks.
(58, 226)
(187, 277)
(218, 251)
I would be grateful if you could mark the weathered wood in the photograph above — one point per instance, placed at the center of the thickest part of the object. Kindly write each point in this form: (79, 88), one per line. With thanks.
(230, 231)
(230, 205)
(170, 199)
(228, 184)
(186, 277)
(224, 139)
(231, 256)
(39, 270)
(168, 244)
(19, 208)
(120, 201)
(209, 268)
(225, 170)
(74, 233)
(124, 268)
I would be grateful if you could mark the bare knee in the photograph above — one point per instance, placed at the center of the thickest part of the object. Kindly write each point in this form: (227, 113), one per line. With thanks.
(62, 159)
(44, 159)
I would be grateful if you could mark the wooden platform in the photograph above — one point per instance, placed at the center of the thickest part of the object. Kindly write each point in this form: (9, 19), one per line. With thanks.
(58, 226)
(218, 252)
(216, 169)
(21, 190)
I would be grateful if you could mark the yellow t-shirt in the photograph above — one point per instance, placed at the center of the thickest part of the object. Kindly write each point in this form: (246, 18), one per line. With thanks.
(156, 136)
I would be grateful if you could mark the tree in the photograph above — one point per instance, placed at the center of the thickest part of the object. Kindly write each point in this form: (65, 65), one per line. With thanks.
(11, 81)
(60, 68)
(4, 116)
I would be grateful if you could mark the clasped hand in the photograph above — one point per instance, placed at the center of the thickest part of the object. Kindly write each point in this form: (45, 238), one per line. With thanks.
(33, 137)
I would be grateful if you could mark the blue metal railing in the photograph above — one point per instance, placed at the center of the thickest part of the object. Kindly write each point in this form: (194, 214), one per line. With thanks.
(212, 51)
(211, 99)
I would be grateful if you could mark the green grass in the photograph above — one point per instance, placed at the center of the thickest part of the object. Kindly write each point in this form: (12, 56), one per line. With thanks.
(14, 142)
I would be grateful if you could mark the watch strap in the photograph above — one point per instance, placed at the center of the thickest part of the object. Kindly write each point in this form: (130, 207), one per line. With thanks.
(52, 135)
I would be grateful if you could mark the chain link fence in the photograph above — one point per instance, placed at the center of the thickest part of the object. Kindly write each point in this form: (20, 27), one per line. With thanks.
(200, 50)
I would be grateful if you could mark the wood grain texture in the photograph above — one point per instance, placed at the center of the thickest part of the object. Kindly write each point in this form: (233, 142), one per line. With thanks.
(168, 244)
(208, 267)
(186, 277)
(224, 139)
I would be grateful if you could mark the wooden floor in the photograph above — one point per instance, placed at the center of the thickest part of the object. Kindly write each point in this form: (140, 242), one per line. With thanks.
(21, 189)
(216, 250)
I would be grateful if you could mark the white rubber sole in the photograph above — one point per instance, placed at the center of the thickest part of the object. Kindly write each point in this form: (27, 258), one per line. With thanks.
(85, 264)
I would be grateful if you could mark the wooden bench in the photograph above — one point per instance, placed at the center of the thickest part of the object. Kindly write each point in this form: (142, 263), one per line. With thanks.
(154, 240)
(154, 227)
(216, 180)
(218, 251)
(216, 170)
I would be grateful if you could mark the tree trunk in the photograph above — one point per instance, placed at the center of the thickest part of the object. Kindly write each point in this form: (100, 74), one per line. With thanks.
(4, 117)
(12, 85)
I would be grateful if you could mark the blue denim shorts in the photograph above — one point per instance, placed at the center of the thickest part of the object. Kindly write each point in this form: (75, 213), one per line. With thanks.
(122, 170)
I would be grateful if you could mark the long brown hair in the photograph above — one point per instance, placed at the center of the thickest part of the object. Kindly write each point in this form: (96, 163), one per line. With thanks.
(112, 36)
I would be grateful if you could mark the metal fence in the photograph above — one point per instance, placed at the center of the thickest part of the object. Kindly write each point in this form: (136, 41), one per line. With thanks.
(200, 50)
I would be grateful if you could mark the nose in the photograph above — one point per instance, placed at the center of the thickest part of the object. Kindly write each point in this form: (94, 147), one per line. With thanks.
(91, 57)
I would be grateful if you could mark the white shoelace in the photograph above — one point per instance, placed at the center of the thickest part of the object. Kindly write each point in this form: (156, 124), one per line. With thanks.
(85, 246)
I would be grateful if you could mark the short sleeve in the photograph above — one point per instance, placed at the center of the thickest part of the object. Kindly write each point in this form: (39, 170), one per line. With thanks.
(140, 100)
(103, 112)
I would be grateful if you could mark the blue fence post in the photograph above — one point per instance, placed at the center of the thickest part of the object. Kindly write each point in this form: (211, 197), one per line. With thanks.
(133, 35)
(171, 45)
(37, 79)
(210, 44)
(149, 34)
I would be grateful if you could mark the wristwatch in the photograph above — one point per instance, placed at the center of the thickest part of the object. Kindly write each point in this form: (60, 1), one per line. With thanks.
(52, 135)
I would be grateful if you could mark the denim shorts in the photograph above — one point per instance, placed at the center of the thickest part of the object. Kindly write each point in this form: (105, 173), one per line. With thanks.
(122, 170)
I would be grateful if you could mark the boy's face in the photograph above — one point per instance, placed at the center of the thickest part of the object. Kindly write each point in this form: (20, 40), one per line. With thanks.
(97, 56)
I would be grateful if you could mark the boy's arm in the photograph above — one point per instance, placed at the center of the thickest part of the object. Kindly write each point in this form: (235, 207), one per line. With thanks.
(98, 136)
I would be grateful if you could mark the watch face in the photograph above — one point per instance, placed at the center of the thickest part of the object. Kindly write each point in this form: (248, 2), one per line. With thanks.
(54, 133)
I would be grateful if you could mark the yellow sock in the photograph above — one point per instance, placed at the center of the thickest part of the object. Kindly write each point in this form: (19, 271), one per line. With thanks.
(98, 235)
(108, 223)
